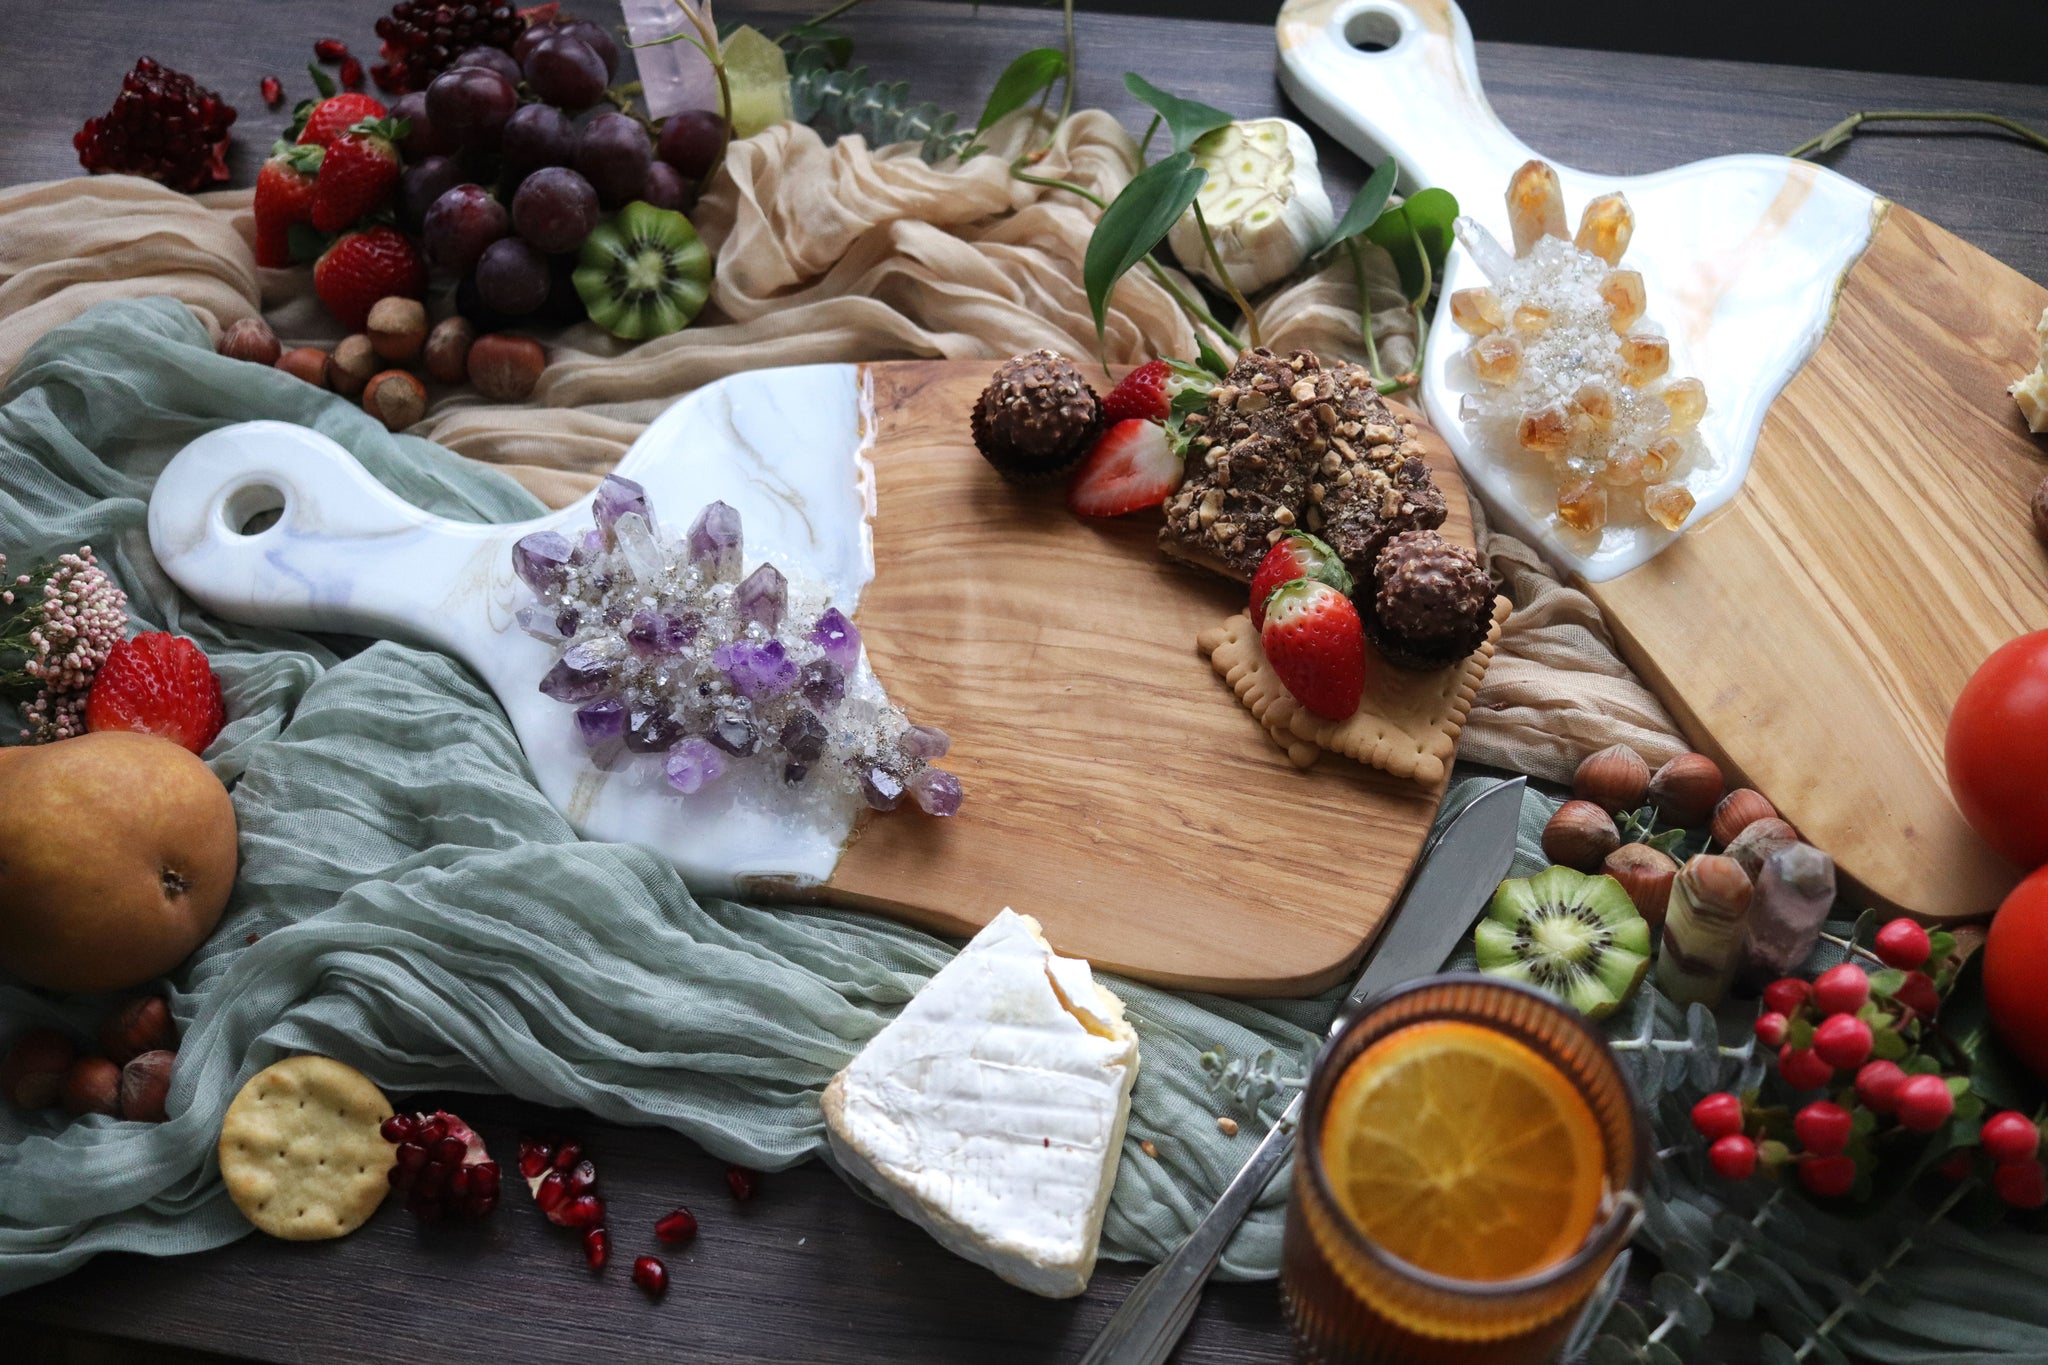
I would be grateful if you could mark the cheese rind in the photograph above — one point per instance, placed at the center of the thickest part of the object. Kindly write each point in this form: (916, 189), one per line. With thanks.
(991, 1111)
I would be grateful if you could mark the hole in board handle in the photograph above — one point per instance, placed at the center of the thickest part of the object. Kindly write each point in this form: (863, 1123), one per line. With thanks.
(252, 509)
(1374, 31)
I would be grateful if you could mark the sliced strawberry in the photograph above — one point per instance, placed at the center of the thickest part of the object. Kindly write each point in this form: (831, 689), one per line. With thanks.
(336, 114)
(1141, 393)
(363, 267)
(357, 175)
(1132, 466)
(1296, 555)
(157, 684)
(1316, 644)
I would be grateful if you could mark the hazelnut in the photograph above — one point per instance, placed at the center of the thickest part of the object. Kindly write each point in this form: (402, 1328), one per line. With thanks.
(1579, 836)
(145, 1084)
(2041, 511)
(305, 362)
(1739, 810)
(92, 1085)
(505, 368)
(1686, 789)
(34, 1070)
(1615, 779)
(252, 340)
(398, 328)
(1646, 875)
(355, 361)
(448, 349)
(1752, 848)
(141, 1025)
(396, 399)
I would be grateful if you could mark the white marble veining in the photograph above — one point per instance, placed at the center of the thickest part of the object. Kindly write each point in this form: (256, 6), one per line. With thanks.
(787, 447)
(1741, 256)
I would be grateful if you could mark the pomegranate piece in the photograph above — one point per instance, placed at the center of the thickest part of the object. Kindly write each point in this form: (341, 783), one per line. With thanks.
(330, 49)
(650, 1274)
(597, 1247)
(352, 74)
(679, 1226)
(741, 1181)
(443, 1168)
(273, 91)
(164, 126)
(419, 38)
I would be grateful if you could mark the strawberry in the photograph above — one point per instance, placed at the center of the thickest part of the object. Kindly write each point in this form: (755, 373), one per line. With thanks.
(365, 266)
(335, 115)
(1133, 465)
(1316, 644)
(357, 175)
(1296, 555)
(284, 198)
(1141, 393)
(157, 684)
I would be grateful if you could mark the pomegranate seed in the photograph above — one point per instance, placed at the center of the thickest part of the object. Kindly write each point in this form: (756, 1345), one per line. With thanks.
(330, 49)
(567, 1156)
(434, 1179)
(583, 1179)
(740, 1181)
(458, 1183)
(552, 1192)
(431, 1131)
(534, 1157)
(397, 1128)
(273, 93)
(352, 74)
(451, 1150)
(483, 1177)
(584, 1211)
(650, 1274)
(597, 1247)
(679, 1226)
(411, 1156)
(481, 1202)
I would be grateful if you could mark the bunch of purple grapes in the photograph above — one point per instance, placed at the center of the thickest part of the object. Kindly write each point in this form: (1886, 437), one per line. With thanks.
(503, 193)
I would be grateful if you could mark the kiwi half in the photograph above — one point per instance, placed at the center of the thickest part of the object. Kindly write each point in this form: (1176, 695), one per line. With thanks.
(1578, 937)
(643, 274)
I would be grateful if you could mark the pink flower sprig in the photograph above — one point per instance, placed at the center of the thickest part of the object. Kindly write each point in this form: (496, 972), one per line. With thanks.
(67, 616)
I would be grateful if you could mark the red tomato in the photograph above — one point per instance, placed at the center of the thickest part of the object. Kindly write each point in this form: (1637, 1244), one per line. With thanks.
(2016, 972)
(1998, 750)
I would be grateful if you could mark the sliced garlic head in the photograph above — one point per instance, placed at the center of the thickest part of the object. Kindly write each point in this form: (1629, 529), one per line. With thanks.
(1264, 202)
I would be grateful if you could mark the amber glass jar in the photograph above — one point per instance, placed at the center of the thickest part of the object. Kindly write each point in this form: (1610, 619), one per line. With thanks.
(1348, 1299)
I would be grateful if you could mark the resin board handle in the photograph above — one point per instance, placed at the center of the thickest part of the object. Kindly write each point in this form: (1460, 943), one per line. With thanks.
(1862, 542)
(1115, 787)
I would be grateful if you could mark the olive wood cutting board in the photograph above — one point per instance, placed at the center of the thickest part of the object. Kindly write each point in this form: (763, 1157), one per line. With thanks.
(1116, 789)
(1863, 542)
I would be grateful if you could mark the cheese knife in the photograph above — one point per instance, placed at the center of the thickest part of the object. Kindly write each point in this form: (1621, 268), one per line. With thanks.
(1456, 872)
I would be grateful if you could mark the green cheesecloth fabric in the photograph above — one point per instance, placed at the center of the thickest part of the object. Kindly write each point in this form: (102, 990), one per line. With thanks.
(426, 916)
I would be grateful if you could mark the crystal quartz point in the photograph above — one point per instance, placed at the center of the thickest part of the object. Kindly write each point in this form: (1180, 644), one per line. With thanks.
(1703, 930)
(749, 680)
(1794, 893)
(1573, 379)
(674, 76)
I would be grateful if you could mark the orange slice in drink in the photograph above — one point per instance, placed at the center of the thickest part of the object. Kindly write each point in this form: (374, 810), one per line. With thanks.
(1463, 1152)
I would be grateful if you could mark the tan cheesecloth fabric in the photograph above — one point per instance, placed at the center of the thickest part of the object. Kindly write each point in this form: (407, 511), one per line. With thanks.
(835, 253)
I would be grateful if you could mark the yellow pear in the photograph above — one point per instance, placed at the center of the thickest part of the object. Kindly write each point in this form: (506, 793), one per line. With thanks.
(117, 854)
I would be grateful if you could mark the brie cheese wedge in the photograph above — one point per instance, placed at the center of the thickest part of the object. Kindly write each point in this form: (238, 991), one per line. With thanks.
(991, 1111)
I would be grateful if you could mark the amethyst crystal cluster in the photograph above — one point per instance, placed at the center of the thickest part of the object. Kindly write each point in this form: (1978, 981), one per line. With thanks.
(668, 650)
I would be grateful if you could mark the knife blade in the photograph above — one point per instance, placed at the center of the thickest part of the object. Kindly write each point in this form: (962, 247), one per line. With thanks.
(1454, 874)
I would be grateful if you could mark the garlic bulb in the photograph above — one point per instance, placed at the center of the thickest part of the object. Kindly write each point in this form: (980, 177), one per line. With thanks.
(1264, 202)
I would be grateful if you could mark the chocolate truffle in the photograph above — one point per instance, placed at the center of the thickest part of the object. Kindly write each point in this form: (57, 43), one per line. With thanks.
(1431, 602)
(1036, 418)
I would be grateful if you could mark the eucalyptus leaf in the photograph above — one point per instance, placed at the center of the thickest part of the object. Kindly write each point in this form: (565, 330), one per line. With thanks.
(1368, 204)
(1417, 234)
(1136, 221)
(1776, 1352)
(1020, 82)
(1186, 120)
(1610, 1351)
(1731, 1295)
(1604, 1296)
(1678, 1298)
(1657, 1353)
(1687, 1260)
(1624, 1322)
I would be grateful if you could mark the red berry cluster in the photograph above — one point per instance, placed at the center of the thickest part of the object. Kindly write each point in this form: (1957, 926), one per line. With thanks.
(164, 126)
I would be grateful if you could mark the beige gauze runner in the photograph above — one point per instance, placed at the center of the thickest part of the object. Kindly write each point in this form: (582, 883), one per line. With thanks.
(837, 253)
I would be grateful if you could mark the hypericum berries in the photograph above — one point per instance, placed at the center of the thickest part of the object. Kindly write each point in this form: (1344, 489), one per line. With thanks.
(1823, 1127)
(1924, 1103)
(2009, 1136)
(2021, 1184)
(1918, 994)
(1827, 1176)
(1803, 1068)
(1717, 1116)
(1841, 989)
(1877, 1086)
(1903, 944)
(1733, 1157)
(1770, 1028)
(1842, 1041)
(1785, 995)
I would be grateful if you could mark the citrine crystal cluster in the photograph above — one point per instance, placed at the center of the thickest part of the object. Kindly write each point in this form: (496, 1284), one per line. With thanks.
(670, 651)
(1570, 371)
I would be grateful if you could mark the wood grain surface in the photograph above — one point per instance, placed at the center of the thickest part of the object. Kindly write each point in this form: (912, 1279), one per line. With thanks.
(1815, 634)
(809, 1271)
(1117, 790)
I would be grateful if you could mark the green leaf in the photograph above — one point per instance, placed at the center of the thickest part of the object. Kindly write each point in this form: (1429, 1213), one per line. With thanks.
(1022, 79)
(1367, 204)
(834, 46)
(1417, 233)
(1135, 222)
(1887, 1044)
(1994, 1072)
(1885, 983)
(1186, 120)
(305, 242)
(1941, 945)
(1209, 358)
(322, 82)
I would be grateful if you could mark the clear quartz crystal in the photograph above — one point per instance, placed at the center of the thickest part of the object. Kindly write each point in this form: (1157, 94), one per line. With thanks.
(1574, 382)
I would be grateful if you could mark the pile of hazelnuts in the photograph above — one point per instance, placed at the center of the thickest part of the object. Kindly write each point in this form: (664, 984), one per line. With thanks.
(128, 1078)
(371, 364)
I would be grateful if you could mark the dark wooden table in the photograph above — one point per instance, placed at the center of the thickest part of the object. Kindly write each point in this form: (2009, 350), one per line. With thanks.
(808, 1271)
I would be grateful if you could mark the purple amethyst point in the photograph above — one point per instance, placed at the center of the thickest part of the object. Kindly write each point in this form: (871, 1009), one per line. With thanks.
(882, 789)
(927, 742)
(714, 541)
(693, 765)
(542, 561)
(578, 675)
(615, 498)
(936, 791)
(838, 637)
(601, 720)
(761, 597)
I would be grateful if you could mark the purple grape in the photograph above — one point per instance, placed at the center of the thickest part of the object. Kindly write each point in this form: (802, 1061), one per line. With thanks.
(596, 38)
(690, 141)
(613, 154)
(665, 187)
(470, 104)
(537, 135)
(461, 223)
(421, 140)
(512, 277)
(490, 59)
(425, 183)
(555, 209)
(565, 72)
(535, 35)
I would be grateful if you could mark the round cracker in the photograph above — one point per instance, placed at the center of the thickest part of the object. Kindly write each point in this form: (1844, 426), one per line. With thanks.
(300, 1150)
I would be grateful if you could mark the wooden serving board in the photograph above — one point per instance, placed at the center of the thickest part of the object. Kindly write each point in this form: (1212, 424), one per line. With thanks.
(1863, 542)
(1116, 789)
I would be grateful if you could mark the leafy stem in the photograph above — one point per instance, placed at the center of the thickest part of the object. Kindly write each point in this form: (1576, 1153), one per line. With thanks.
(812, 23)
(1876, 1277)
(706, 42)
(1848, 127)
(1244, 307)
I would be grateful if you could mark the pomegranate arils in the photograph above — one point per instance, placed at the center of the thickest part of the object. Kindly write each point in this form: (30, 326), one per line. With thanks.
(397, 1128)
(583, 1179)
(431, 1130)
(411, 1156)
(584, 1211)
(330, 49)
(597, 1247)
(442, 1166)
(352, 74)
(679, 1226)
(164, 126)
(567, 1156)
(483, 1178)
(273, 91)
(535, 1157)
(450, 1150)
(551, 1193)
(740, 1181)
(650, 1274)
(420, 37)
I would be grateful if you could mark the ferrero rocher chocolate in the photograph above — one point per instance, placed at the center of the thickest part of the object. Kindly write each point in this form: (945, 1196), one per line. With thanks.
(1036, 418)
(1431, 602)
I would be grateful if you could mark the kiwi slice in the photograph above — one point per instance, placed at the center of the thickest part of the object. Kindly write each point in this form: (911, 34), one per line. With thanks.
(1578, 937)
(643, 274)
